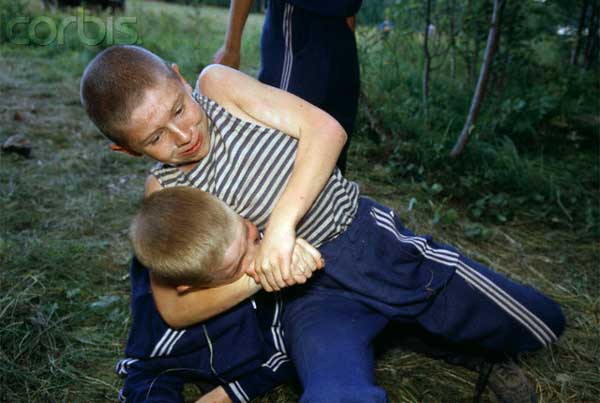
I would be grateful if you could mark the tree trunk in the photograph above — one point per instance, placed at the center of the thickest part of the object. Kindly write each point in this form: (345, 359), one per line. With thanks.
(484, 74)
(427, 57)
(593, 36)
(474, 57)
(452, 39)
(577, 48)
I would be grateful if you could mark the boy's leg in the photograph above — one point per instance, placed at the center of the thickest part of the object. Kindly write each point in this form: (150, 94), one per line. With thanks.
(329, 338)
(460, 299)
(487, 316)
(481, 306)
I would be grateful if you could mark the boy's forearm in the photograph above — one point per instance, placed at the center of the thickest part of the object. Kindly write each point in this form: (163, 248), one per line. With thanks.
(181, 310)
(238, 14)
(318, 150)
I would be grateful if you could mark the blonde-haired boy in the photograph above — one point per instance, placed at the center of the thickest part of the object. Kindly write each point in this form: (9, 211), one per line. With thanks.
(188, 237)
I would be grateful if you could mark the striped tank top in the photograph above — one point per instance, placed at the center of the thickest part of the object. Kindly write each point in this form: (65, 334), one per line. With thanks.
(248, 166)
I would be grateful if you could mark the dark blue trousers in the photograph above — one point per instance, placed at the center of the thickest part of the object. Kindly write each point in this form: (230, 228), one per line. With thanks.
(312, 56)
(378, 271)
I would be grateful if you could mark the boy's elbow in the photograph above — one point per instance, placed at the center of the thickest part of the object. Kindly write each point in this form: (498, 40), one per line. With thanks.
(335, 132)
(338, 134)
(170, 313)
(343, 136)
(174, 321)
(178, 318)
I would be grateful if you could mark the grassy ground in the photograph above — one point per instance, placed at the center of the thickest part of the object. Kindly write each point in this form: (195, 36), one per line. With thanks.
(64, 254)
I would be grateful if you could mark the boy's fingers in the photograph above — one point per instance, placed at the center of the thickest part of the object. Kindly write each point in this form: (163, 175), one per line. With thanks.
(308, 264)
(297, 267)
(265, 273)
(311, 251)
(300, 266)
(272, 277)
(264, 282)
(286, 270)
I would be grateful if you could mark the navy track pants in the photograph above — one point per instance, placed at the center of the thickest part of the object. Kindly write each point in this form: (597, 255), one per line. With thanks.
(313, 57)
(378, 271)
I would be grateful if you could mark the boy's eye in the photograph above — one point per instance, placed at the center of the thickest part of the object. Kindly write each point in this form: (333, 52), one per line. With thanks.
(179, 110)
(155, 139)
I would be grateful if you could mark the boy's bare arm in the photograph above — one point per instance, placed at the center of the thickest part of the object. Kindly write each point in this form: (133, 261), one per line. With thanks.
(229, 53)
(181, 310)
(217, 395)
(320, 141)
(185, 309)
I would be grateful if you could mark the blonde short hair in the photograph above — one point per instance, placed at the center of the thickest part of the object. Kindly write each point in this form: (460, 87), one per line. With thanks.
(181, 234)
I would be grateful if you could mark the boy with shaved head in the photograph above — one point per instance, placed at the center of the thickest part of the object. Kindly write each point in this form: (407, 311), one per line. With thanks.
(270, 156)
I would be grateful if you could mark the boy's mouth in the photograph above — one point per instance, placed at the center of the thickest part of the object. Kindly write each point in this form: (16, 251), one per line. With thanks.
(192, 150)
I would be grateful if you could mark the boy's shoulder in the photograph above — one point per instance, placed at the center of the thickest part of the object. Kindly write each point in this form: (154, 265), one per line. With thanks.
(224, 85)
(212, 80)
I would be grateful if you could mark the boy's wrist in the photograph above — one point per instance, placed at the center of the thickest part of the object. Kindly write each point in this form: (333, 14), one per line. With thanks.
(282, 221)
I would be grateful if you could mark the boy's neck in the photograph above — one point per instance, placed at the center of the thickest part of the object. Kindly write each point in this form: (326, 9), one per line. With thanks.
(185, 168)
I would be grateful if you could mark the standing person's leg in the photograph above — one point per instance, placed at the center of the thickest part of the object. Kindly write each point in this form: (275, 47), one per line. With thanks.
(289, 58)
(343, 84)
(329, 338)
(272, 45)
(313, 57)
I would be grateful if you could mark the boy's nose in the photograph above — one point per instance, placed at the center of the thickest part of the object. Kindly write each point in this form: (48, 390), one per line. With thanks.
(181, 136)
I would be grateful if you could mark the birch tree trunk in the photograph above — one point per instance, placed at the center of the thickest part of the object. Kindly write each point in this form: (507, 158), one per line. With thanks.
(427, 58)
(484, 74)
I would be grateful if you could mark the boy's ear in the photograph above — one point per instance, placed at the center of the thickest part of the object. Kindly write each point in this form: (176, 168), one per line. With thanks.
(182, 289)
(175, 68)
(125, 150)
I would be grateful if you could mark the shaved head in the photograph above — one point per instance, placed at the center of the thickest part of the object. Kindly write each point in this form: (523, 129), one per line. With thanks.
(113, 85)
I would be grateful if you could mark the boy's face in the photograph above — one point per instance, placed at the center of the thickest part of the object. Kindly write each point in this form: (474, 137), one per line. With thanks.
(239, 253)
(169, 125)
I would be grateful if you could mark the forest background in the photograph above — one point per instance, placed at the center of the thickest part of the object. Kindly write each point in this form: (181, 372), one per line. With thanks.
(522, 195)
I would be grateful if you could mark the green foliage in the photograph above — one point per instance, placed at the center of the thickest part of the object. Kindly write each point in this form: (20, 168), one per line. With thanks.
(538, 115)
(10, 12)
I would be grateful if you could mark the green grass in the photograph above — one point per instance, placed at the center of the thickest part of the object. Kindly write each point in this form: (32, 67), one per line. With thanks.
(64, 253)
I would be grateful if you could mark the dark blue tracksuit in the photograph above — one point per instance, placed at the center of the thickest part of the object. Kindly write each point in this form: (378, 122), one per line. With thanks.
(308, 49)
(376, 271)
(241, 349)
